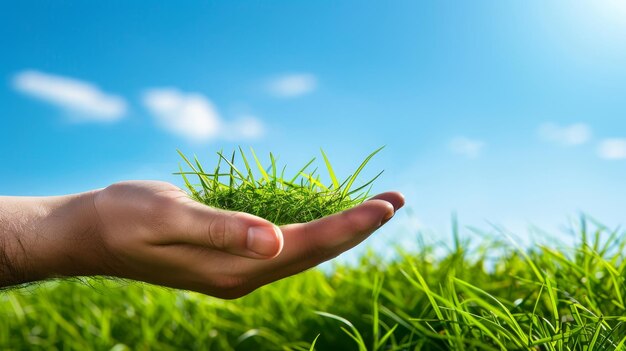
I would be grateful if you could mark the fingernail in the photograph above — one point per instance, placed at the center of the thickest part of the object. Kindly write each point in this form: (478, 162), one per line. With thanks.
(262, 240)
(388, 216)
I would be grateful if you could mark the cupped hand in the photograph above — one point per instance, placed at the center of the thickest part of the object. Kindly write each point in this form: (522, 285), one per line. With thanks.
(152, 231)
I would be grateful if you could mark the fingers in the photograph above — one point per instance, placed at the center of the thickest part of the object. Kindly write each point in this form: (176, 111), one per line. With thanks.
(309, 244)
(325, 236)
(238, 233)
(250, 236)
(305, 245)
(328, 237)
(395, 198)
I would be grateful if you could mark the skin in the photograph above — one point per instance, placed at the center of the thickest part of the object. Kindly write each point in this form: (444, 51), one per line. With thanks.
(153, 232)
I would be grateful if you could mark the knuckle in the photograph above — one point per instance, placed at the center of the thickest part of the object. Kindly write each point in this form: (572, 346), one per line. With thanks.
(223, 230)
(217, 232)
(115, 188)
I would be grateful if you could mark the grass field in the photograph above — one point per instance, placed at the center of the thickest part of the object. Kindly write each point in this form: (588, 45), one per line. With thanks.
(478, 294)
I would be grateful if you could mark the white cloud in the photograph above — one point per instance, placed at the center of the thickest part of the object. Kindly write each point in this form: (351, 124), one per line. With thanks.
(292, 85)
(612, 149)
(83, 100)
(571, 135)
(467, 147)
(189, 115)
(194, 116)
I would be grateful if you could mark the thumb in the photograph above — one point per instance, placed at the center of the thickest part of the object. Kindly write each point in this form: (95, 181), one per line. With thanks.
(238, 233)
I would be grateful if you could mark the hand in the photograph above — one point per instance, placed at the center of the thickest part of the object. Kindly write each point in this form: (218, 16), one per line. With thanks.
(152, 231)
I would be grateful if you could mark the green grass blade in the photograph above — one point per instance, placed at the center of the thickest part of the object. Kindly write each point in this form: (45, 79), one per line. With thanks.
(231, 183)
(299, 173)
(351, 180)
(365, 185)
(596, 334)
(353, 332)
(247, 165)
(312, 348)
(260, 167)
(233, 169)
(273, 168)
(191, 188)
(202, 179)
(331, 172)
(553, 304)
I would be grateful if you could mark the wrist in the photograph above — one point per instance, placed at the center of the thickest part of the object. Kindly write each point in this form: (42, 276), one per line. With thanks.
(48, 237)
(71, 230)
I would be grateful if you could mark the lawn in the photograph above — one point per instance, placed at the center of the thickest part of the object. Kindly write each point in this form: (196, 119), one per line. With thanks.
(480, 294)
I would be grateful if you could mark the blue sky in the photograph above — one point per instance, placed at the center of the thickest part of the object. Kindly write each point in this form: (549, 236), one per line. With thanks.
(509, 113)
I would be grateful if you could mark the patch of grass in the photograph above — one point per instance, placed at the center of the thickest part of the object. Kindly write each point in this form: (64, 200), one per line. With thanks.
(478, 294)
(268, 193)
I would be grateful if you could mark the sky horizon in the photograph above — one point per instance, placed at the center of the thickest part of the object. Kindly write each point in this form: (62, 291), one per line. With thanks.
(511, 114)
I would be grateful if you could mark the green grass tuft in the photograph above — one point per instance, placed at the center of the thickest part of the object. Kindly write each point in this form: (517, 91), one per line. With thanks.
(267, 193)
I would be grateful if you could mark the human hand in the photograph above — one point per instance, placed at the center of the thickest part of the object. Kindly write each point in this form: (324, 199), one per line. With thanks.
(152, 231)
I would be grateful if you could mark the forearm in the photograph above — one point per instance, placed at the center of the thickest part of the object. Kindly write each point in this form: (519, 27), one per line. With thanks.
(46, 237)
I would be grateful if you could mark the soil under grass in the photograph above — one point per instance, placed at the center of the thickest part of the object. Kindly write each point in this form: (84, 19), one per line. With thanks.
(490, 295)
